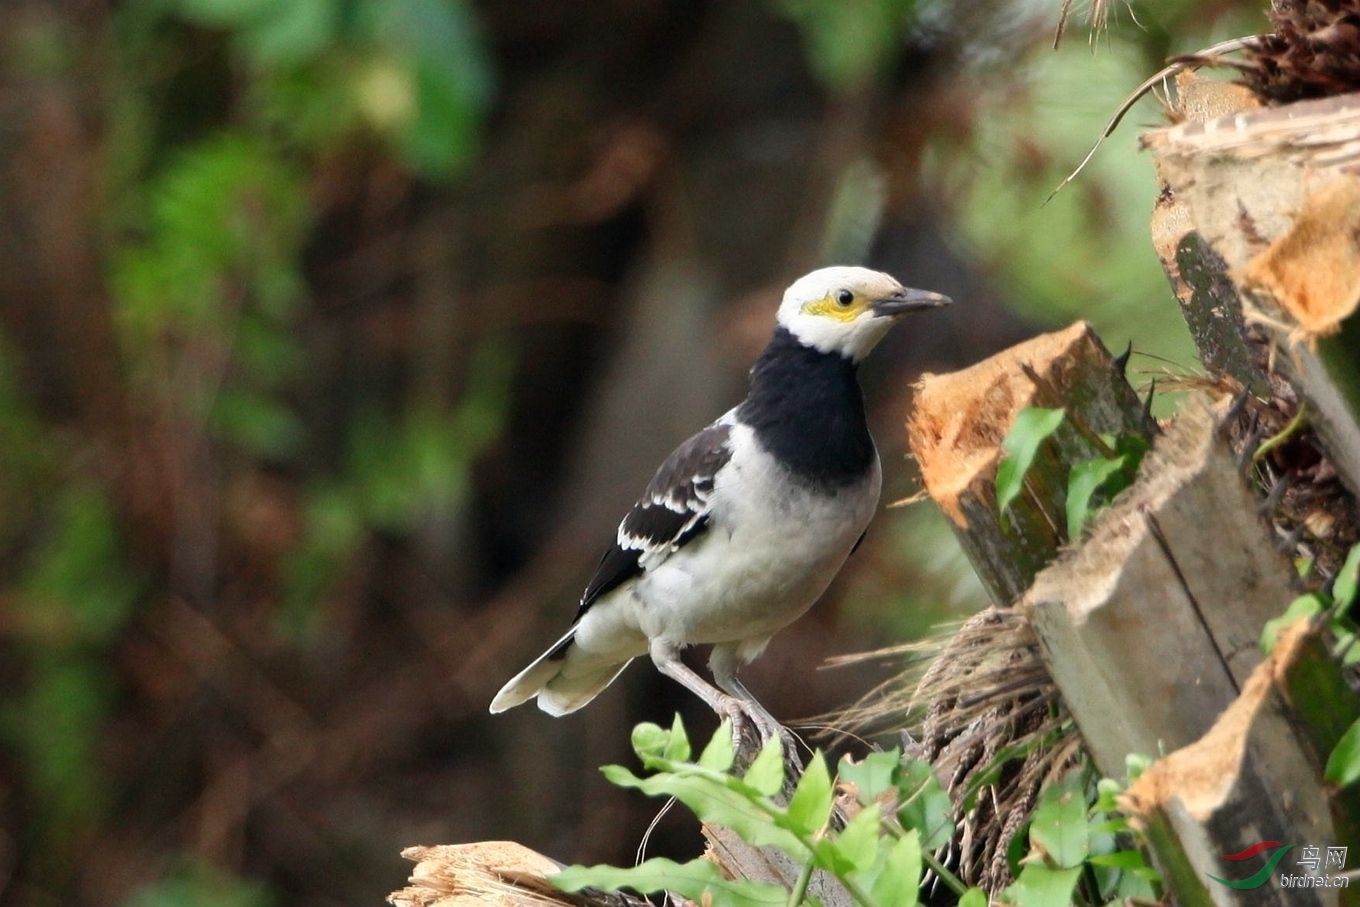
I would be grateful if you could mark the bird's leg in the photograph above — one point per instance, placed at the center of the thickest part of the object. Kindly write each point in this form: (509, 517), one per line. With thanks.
(724, 663)
(667, 660)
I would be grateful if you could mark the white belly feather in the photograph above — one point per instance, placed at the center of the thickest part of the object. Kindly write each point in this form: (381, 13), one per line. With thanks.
(772, 547)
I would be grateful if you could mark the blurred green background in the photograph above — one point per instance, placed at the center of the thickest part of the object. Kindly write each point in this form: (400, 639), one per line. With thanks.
(335, 335)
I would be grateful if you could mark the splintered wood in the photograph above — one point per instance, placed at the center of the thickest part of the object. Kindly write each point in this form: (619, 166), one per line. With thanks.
(1253, 776)
(1258, 227)
(960, 420)
(490, 874)
(1150, 628)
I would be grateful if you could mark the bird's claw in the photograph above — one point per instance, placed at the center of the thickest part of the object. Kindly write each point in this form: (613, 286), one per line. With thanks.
(752, 729)
(747, 736)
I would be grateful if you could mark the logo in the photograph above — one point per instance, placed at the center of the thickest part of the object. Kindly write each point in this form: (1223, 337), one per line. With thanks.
(1312, 858)
(1260, 876)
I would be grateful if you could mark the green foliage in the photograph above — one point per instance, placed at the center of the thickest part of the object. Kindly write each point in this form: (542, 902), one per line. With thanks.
(76, 594)
(1032, 426)
(400, 472)
(698, 880)
(1301, 608)
(215, 274)
(197, 884)
(1058, 829)
(77, 588)
(878, 856)
(413, 71)
(1335, 603)
(1094, 483)
(1025, 136)
(1076, 837)
(849, 42)
(1075, 842)
(1343, 765)
(1334, 606)
(224, 221)
(925, 804)
(1091, 483)
(1344, 586)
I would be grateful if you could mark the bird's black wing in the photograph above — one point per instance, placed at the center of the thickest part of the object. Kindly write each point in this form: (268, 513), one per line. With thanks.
(671, 513)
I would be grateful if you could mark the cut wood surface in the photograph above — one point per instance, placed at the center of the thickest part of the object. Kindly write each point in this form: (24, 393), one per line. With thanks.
(1258, 225)
(1253, 777)
(1150, 628)
(491, 874)
(961, 418)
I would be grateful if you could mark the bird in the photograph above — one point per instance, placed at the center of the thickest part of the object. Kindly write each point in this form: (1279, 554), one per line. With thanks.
(745, 524)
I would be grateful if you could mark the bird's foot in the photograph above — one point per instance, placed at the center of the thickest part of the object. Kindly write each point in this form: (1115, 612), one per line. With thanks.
(753, 728)
(747, 735)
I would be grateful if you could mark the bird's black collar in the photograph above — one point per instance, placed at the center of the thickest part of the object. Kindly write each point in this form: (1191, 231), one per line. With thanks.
(806, 410)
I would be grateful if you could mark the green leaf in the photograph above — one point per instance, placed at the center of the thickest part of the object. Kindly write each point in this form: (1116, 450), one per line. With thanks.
(973, 897)
(1107, 790)
(224, 13)
(810, 804)
(1135, 764)
(1032, 425)
(650, 740)
(872, 776)
(1085, 480)
(1343, 765)
(261, 425)
(1119, 859)
(1040, 886)
(925, 805)
(766, 773)
(717, 799)
(698, 880)
(1344, 586)
(719, 754)
(1059, 825)
(848, 44)
(856, 847)
(293, 33)
(1346, 644)
(1301, 608)
(900, 879)
(440, 46)
(677, 745)
(197, 884)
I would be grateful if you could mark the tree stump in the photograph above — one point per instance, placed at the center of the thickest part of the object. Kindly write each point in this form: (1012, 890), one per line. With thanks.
(960, 420)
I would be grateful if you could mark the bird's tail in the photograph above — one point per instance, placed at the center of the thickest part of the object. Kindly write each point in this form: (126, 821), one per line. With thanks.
(563, 683)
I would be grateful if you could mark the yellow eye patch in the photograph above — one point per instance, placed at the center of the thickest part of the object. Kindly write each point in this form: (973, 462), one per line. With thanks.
(828, 307)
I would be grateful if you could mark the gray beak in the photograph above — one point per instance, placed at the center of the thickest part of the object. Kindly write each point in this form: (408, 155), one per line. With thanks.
(908, 300)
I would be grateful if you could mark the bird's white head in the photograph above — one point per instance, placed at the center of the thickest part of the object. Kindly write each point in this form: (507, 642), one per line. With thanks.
(848, 310)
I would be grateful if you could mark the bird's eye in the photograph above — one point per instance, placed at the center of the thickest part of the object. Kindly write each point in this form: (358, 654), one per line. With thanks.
(844, 298)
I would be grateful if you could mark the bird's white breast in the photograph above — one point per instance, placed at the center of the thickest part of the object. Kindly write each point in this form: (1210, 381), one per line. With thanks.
(772, 547)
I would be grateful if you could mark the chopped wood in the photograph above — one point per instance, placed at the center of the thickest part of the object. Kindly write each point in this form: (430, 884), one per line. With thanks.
(491, 874)
(1313, 269)
(1150, 628)
(1200, 98)
(1265, 206)
(961, 418)
(1254, 776)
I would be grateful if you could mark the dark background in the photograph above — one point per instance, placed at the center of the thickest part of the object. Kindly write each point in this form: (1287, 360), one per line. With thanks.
(335, 335)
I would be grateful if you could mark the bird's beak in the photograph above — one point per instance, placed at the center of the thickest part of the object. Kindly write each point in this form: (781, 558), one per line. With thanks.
(908, 300)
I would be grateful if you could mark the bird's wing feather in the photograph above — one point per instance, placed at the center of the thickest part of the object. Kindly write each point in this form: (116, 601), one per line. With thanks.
(672, 512)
